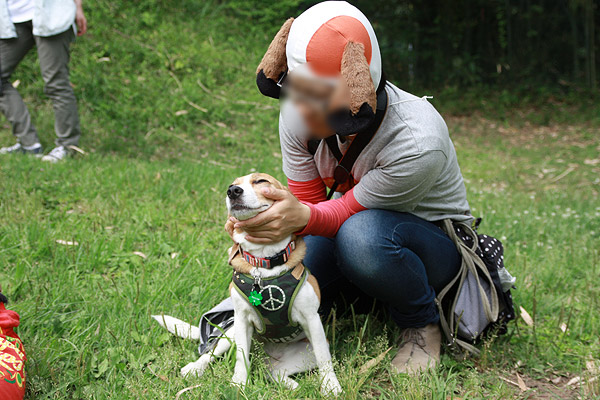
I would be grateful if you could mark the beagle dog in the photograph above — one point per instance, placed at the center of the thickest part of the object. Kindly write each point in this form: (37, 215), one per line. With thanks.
(273, 295)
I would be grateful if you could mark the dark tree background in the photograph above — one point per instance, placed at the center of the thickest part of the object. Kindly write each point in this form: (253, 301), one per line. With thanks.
(465, 43)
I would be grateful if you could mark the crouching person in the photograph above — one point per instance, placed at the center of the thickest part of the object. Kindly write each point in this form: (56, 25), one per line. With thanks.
(372, 173)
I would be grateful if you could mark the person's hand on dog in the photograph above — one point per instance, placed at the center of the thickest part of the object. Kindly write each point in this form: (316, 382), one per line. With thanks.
(286, 216)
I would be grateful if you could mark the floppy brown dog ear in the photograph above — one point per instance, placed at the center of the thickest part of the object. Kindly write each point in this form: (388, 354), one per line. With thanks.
(274, 63)
(279, 185)
(356, 74)
(360, 91)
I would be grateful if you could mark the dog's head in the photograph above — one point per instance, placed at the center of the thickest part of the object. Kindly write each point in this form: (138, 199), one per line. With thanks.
(244, 197)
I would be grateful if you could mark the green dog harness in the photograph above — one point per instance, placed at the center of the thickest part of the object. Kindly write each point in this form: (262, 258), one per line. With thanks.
(273, 299)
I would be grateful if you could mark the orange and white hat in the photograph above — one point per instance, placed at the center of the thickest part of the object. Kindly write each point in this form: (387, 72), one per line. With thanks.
(329, 40)
(318, 37)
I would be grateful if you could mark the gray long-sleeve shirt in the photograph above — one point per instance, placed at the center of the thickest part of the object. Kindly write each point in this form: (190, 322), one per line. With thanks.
(410, 165)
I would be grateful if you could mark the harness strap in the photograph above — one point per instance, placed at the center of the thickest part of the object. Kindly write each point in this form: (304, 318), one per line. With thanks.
(278, 295)
(331, 142)
(342, 172)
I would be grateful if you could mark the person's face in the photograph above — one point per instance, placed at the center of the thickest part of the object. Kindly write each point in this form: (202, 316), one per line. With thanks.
(312, 99)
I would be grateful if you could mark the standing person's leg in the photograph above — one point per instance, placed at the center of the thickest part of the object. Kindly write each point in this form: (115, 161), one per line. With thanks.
(12, 52)
(54, 55)
(403, 261)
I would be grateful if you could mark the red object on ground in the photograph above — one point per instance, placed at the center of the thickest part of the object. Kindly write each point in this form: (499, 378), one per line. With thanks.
(326, 216)
(12, 357)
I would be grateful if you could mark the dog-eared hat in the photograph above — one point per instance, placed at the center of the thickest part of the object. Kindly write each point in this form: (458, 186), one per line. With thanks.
(331, 39)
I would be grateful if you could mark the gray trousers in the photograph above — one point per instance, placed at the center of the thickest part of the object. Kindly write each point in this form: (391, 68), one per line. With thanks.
(53, 54)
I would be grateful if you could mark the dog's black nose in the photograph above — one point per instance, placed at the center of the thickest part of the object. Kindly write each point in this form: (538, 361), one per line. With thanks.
(234, 192)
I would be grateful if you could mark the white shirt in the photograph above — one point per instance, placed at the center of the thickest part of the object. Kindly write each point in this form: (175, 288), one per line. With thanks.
(20, 10)
(50, 17)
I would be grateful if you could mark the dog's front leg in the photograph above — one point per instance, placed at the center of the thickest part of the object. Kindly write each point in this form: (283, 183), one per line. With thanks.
(243, 335)
(198, 367)
(316, 334)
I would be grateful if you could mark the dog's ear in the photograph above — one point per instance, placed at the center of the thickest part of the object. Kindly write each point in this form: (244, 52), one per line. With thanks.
(274, 63)
(278, 185)
(357, 86)
(233, 252)
(229, 226)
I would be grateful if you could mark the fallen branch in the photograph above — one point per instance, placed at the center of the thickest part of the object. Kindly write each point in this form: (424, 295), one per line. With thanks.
(187, 389)
(161, 377)
(196, 106)
(509, 381)
(373, 362)
(565, 173)
(77, 149)
(218, 164)
(207, 90)
(211, 126)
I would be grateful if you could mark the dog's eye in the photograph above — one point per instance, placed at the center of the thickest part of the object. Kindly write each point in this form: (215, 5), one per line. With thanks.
(258, 182)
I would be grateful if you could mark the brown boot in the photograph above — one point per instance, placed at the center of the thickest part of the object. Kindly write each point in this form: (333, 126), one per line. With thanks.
(419, 350)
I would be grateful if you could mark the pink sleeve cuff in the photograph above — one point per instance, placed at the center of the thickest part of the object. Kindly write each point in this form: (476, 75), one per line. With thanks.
(327, 217)
(311, 192)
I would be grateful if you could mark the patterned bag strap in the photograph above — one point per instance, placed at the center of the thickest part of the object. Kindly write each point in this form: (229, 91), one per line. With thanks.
(472, 263)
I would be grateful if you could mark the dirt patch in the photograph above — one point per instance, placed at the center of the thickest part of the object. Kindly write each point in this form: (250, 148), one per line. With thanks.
(525, 134)
(558, 387)
(542, 389)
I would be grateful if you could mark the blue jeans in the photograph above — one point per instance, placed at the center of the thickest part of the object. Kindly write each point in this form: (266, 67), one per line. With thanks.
(396, 258)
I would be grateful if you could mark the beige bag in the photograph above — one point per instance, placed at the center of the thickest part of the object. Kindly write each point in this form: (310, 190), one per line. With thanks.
(475, 299)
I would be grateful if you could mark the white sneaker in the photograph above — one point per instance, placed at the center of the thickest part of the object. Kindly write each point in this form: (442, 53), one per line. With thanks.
(57, 154)
(35, 149)
(11, 149)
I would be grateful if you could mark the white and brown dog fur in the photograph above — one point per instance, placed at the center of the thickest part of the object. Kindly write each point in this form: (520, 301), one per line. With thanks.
(284, 359)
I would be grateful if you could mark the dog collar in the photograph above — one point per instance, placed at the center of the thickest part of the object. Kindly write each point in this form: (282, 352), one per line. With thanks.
(278, 259)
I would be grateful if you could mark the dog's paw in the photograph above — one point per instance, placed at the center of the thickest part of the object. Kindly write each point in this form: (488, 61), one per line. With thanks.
(193, 369)
(239, 381)
(281, 378)
(290, 383)
(331, 386)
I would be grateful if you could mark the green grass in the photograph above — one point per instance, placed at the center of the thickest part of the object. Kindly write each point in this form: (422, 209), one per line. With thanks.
(153, 182)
